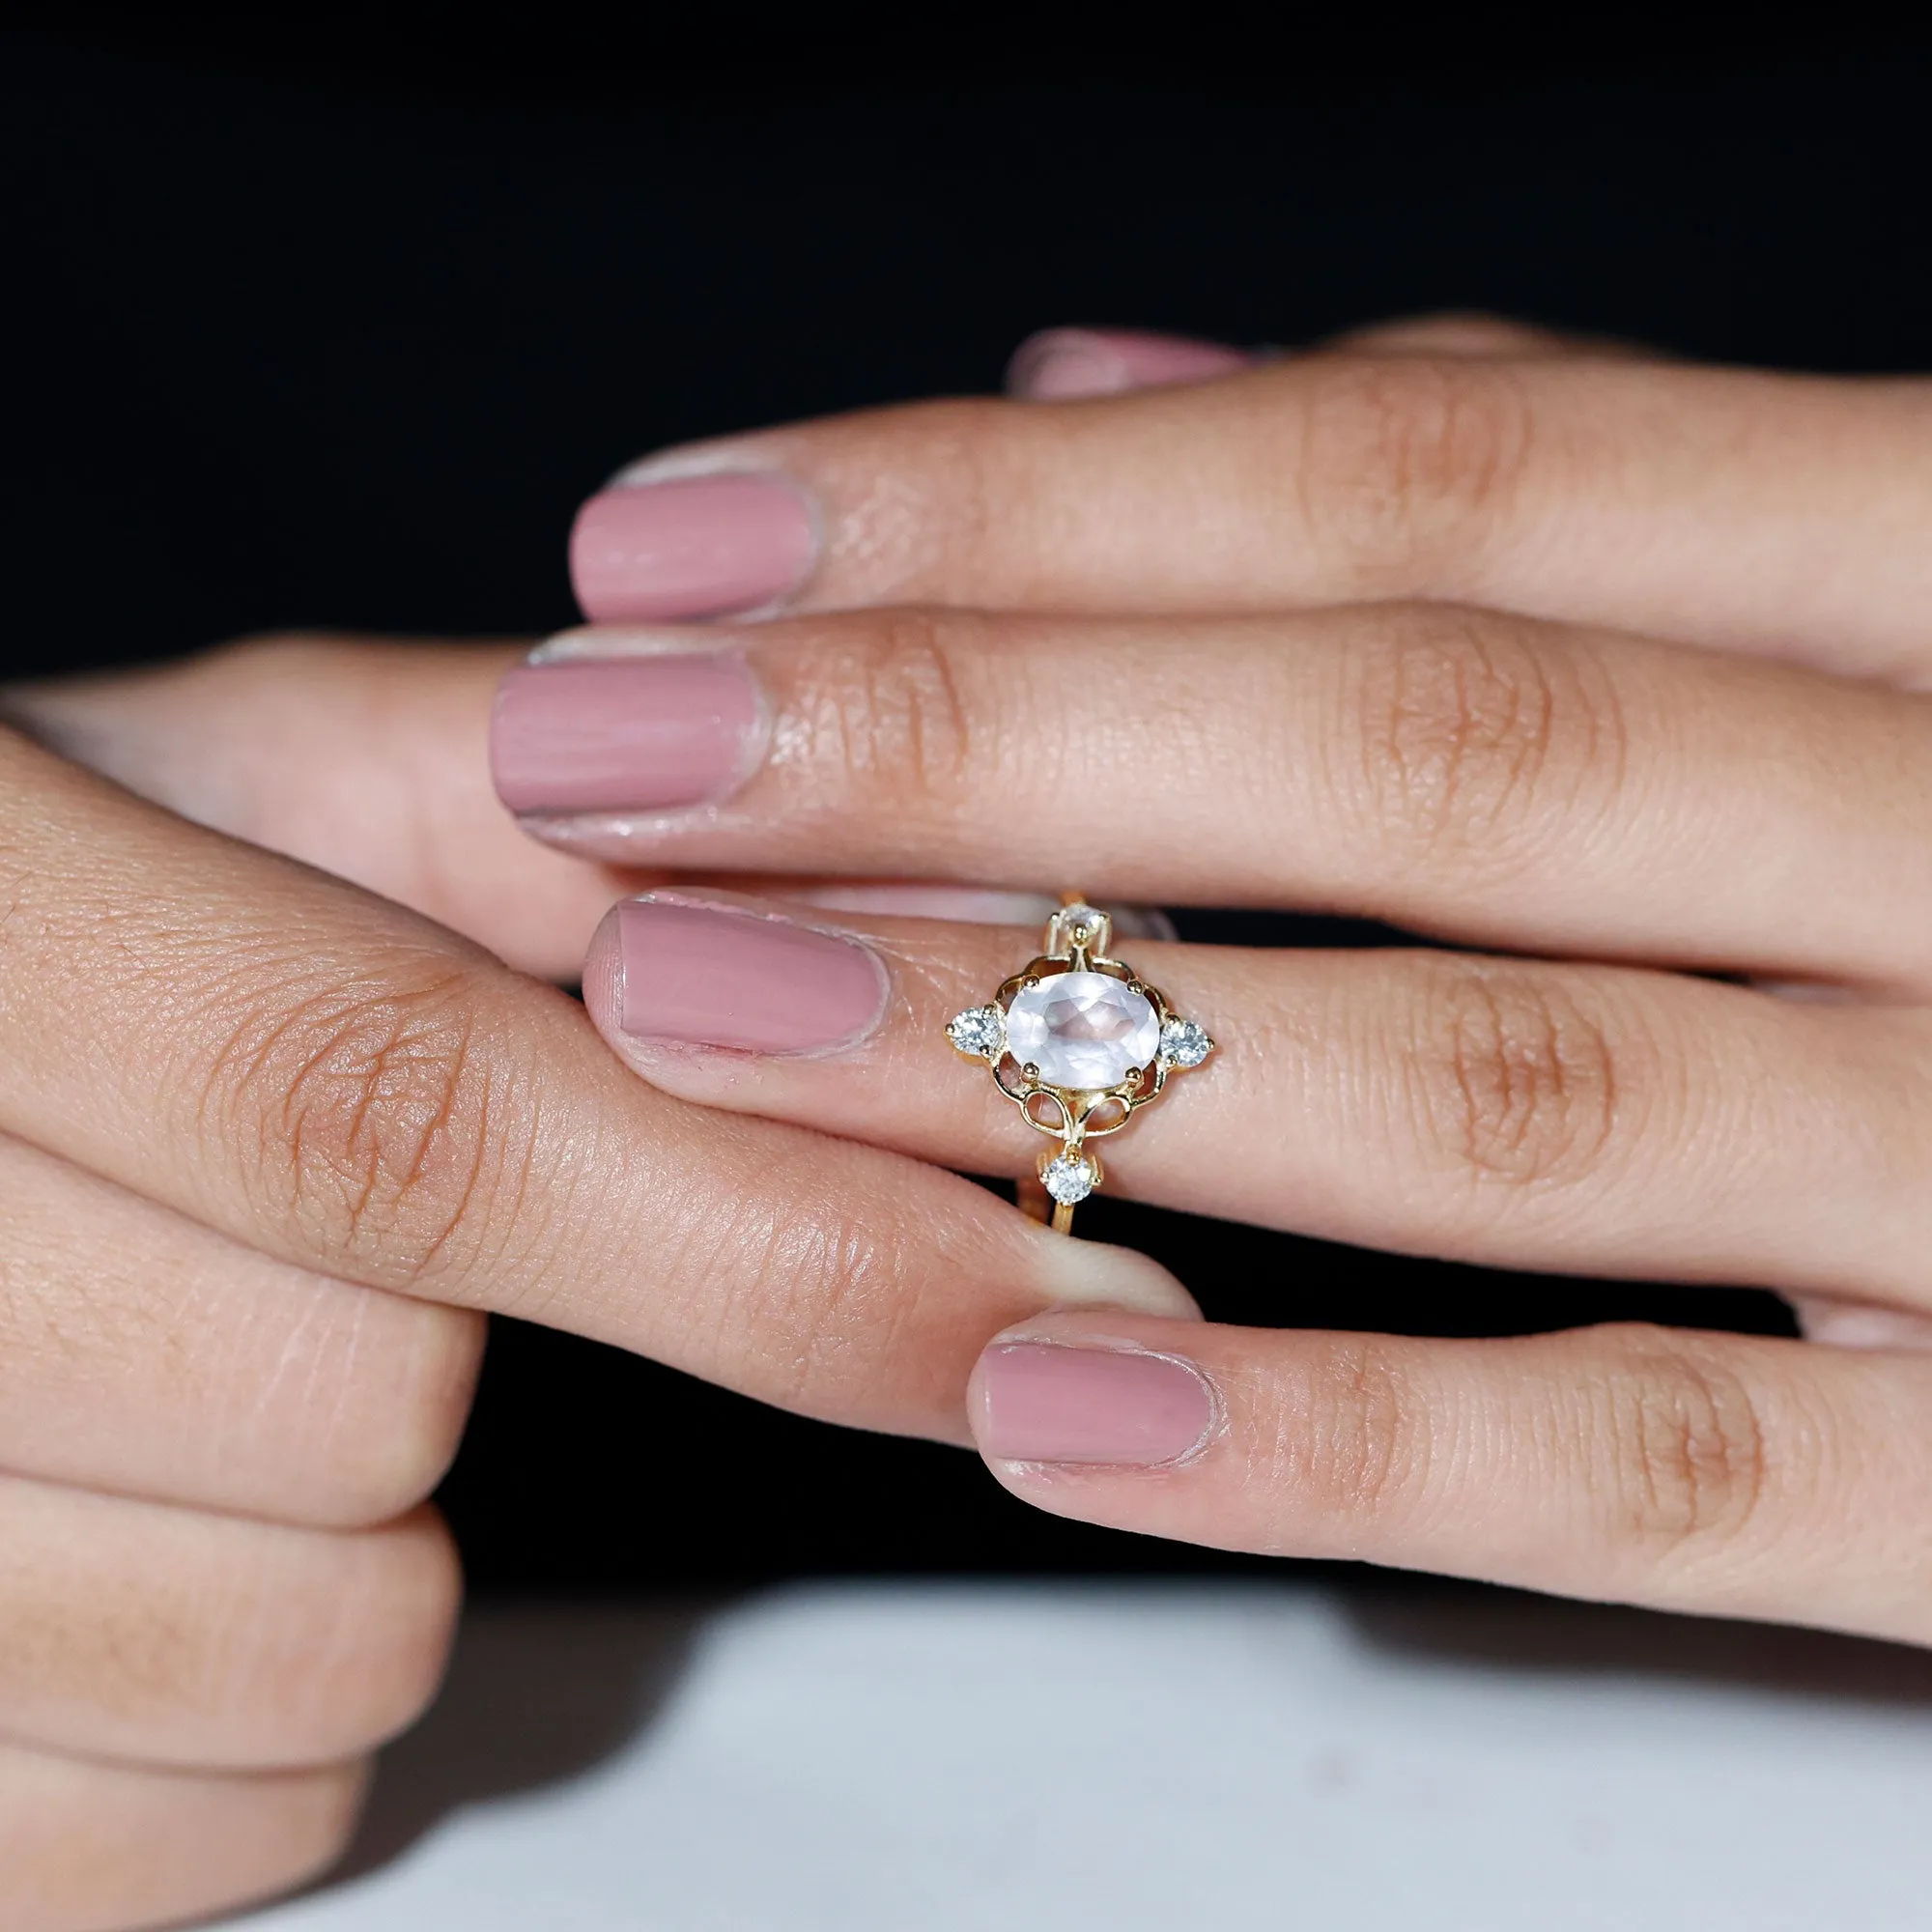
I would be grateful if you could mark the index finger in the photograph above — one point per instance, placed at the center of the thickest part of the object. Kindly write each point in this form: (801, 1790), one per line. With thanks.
(343, 1085)
(1724, 508)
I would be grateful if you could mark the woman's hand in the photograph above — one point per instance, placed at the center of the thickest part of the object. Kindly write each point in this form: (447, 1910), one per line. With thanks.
(1602, 669)
(367, 757)
(267, 1145)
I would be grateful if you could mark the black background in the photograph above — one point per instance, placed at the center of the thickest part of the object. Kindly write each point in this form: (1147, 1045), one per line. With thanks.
(335, 329)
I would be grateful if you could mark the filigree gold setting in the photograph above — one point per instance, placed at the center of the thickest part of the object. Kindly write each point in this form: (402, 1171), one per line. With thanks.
(1078, 939)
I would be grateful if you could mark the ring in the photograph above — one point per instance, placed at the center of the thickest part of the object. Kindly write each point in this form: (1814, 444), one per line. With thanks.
(1079, 1043)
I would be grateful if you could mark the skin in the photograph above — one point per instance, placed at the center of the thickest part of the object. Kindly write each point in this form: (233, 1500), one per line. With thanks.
(271, 1147)
(287, 1106)
(1603, 671)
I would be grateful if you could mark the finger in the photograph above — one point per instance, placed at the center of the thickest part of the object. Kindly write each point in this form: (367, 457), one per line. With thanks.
(131, 1630)
(1727, 1475)
(1572, 1118)
(366, 759)
(1059, 364)
(1760, 512)
(143, 1354)
(1487, 778)
(86, 1847)
(330, 1080)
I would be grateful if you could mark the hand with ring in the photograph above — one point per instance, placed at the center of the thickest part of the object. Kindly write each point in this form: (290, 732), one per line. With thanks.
(1602, 674)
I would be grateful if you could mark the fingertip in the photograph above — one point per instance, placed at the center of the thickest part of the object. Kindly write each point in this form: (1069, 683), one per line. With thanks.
(1082, 1276)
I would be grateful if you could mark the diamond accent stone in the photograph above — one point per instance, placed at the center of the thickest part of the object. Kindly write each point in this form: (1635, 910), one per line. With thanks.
(1084, 1030)
(1184, 1043)
(1069, 1178)
(981, 1029)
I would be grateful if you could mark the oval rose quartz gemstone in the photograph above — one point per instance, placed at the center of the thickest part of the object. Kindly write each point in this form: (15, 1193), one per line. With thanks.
(1082, 1030)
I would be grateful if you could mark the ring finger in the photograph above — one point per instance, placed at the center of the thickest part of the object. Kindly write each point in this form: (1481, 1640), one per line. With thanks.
(1570, 1118)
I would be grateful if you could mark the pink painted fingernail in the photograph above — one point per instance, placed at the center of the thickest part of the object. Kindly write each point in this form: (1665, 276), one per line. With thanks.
(646, 733)
(690, 547)
(713, 976)
(1039, 1402)
(1061, 365)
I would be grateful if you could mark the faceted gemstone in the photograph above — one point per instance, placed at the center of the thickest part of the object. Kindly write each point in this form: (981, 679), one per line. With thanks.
(1184, 1043)
(1069, 1178)
(1082, 1030)
(978, 1030)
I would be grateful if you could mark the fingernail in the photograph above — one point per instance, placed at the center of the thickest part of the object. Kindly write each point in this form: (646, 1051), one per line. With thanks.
(690, 547)
(1042, 1402)
(1063, 364)
(713, 976)
(645, 733)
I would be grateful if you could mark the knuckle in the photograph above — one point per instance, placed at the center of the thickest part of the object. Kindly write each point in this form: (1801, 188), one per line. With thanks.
(917, 486)
(826, 1305)
(1516, 1079)
(163, 1635)
(820, 1291)
(87, 1845)
(1409, 462)
(390, 1416)
(401, 1633)
(337, 1661)
(1686, 1463)
(310, 1824)
(369, 1113)
(1476, 735)
(882, 707)
(1348, 1443)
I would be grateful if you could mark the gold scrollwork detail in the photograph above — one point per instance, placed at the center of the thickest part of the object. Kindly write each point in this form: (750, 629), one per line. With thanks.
(1078, 940)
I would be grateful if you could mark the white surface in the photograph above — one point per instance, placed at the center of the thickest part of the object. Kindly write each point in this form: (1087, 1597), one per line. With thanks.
(1129, 1756)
